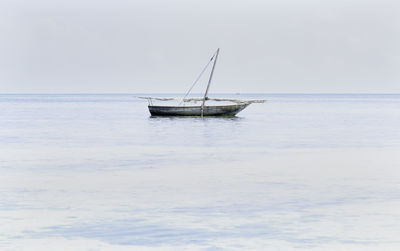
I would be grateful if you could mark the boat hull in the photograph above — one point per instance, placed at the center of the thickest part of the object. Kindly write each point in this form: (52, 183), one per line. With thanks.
(220, 110)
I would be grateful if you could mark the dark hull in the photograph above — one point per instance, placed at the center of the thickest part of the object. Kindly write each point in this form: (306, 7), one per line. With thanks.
(222, 110)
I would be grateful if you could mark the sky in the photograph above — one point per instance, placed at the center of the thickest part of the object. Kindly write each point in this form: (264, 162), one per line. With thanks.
(267, 46)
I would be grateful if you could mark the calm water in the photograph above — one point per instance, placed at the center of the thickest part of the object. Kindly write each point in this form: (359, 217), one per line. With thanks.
(96, 172)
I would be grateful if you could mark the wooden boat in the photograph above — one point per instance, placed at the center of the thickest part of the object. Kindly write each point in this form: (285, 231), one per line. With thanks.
(216, 110)
(200, 110)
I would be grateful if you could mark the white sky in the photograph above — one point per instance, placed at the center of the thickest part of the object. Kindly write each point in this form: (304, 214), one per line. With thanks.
(121, 46)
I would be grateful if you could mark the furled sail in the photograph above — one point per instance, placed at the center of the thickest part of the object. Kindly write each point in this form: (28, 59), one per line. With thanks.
(195, 100)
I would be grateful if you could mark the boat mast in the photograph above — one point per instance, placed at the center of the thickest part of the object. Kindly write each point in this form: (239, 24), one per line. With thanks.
(209, 82)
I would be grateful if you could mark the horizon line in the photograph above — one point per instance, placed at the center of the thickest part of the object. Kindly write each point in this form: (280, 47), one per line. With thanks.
(224, 93)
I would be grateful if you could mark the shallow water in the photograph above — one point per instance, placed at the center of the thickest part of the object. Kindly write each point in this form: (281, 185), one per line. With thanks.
(312, 172)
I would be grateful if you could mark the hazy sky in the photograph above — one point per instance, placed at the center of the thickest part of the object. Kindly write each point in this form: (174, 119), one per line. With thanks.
(127, 46)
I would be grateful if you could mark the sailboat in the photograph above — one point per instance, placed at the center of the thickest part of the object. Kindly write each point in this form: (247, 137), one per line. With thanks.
(203, 109)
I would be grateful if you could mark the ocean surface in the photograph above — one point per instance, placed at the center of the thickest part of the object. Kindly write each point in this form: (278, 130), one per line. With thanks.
(299, 172)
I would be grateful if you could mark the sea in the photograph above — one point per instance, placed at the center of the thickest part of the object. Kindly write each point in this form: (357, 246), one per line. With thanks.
(298, 172)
